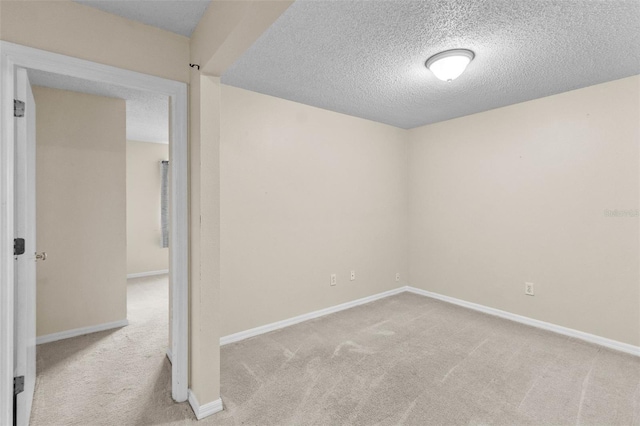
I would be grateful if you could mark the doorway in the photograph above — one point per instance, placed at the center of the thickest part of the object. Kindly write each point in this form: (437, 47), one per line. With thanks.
(13, 58)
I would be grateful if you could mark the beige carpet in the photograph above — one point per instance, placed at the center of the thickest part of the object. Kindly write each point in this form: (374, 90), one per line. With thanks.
(405, 359)
(115, 377)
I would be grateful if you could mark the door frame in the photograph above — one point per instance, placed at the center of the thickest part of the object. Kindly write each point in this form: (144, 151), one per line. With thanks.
(14, 55)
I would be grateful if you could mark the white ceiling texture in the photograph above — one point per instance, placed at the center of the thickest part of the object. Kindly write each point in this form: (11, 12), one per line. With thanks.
(177, 16)
(366, 58)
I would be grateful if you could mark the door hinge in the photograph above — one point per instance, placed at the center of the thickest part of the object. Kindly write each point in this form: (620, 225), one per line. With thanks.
(18, 384)
(18, 387)
(18, 246)
(18, 108)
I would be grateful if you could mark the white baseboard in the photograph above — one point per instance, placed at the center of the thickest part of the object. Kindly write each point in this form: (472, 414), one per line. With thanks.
(147, 274)
(236, 337)
(202, 411)
(592, 338)
(80, 331)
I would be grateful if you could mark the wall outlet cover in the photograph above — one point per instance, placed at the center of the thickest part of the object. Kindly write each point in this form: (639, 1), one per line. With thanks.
(528, 289)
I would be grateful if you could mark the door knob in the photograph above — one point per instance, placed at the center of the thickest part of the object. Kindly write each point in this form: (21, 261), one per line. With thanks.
(41, 256)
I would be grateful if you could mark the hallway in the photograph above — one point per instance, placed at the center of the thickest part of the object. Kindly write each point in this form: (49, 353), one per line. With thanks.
(119, 376)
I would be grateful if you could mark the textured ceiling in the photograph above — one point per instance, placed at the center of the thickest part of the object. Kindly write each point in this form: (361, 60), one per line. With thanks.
(147, 113)
(178, 16)
(366, 58)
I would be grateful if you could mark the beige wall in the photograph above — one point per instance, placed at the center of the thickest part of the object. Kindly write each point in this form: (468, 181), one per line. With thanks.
(305, 193)
(223, 33)
(76, 30)
(144, 231)
(69, 28)
(518, 194)
(228, 28)
(81, 207)
(204, 326)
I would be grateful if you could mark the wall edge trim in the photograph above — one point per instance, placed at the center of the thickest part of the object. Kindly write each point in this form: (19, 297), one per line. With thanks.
(554, 328)
(47, 338)
(252, 332)
(202, 411)
(147, 274)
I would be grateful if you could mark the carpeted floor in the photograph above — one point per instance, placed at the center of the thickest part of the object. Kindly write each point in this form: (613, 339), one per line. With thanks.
(114, 377)
(406, 359)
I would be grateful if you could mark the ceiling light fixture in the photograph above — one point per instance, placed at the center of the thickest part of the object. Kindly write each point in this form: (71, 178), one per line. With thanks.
(448, 65)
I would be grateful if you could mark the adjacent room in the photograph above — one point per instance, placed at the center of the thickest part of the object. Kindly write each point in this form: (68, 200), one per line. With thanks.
(103, 287)
(400, 213)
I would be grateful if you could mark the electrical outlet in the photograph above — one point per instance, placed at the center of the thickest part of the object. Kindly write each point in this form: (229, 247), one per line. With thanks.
(528, 289)
(398, 276)
(334, 280)
(353, 275)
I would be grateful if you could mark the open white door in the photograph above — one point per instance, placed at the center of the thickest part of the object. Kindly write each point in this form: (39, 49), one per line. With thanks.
(17, 326)
(25, 266)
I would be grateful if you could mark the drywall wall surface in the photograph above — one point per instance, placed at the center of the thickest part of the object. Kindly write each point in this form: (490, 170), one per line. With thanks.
(306, 193)
(204, 326)
(144, 231)
(545, 192)
(228, 28)
(222, 35)
(84, 32)
(81, 207)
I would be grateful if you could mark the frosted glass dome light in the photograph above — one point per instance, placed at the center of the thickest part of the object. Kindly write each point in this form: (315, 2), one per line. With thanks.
(448, 65)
